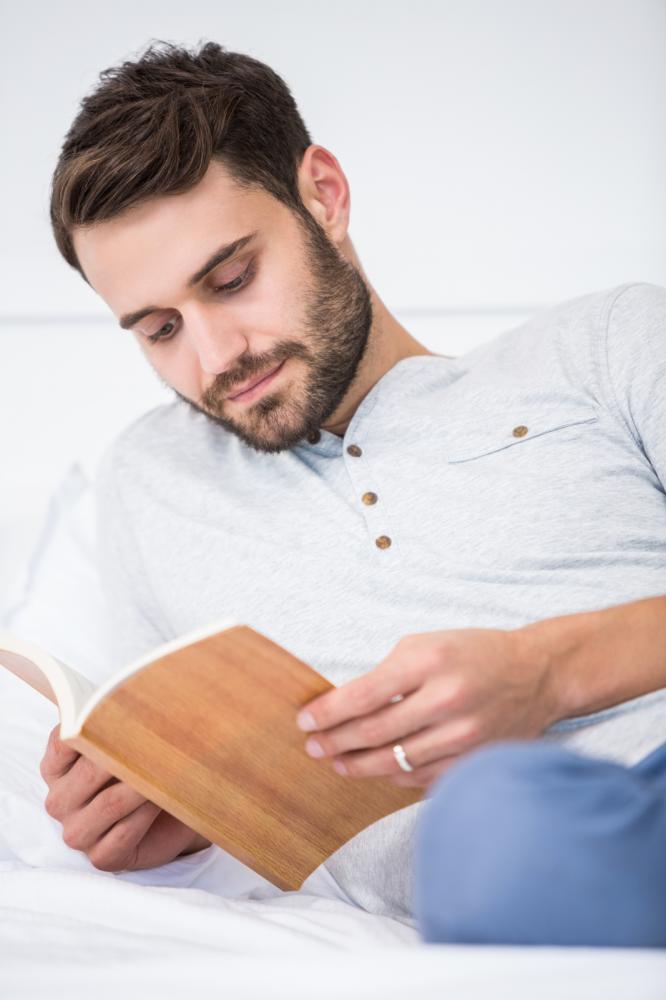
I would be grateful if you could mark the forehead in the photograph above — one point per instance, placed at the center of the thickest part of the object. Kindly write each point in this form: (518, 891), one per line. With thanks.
(150, 251)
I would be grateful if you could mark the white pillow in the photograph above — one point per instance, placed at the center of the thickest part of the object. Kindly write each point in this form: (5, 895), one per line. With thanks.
(60, 604)
(60, 607)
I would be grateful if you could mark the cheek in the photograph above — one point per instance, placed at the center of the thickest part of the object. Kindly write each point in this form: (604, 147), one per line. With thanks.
(184, 372)
(275, 305)
(178, 365)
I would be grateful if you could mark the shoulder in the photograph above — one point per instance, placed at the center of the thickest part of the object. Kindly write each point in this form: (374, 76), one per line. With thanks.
(637, 297)
(625, 313)
(610, 329)
(595, 308)
(634, 354)
(571, 338)
(168, 437)
(136, 441)
(636, 318)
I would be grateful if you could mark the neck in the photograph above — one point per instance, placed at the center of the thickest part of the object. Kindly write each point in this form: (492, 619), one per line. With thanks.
(388, 343)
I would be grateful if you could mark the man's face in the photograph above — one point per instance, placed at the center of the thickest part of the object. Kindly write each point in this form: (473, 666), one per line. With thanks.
(293, 309)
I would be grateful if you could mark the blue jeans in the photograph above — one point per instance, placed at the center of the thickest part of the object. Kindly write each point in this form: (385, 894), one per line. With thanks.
(528, 843)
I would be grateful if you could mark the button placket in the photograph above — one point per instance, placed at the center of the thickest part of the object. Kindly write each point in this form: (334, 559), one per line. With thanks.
(370, 504)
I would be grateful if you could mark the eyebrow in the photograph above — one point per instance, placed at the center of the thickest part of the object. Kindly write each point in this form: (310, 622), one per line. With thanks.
(218, 257)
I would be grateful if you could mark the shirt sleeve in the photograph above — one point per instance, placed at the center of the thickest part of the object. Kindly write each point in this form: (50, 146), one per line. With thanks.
(635, 367)
(133, 619)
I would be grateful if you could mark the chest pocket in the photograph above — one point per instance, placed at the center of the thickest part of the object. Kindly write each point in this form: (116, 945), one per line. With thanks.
(498, 431)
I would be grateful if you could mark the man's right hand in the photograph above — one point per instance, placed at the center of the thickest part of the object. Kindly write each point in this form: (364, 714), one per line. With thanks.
(118, 829)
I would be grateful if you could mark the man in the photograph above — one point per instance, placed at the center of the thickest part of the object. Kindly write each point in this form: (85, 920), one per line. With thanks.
(473, 550)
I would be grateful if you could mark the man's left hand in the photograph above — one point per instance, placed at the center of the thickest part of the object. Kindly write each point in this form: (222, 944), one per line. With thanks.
(460, 688)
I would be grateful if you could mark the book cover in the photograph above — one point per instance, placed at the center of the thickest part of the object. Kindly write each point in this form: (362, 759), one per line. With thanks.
(205, 727)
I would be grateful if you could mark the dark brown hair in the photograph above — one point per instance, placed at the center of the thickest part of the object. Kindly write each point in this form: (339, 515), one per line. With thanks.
(151, 128)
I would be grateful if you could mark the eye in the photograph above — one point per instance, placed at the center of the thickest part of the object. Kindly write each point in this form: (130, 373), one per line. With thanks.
(167, 331)
(237, 283)
(164, 332)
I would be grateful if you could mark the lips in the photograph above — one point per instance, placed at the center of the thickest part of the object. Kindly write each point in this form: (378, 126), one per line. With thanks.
(253, 382)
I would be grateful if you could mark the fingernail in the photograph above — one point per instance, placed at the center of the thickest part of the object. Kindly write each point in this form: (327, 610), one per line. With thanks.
(314, 748)
(339, 767)
(306, 722)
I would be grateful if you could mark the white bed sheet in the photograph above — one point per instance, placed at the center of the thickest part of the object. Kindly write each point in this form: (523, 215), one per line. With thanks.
(206, 926)
(83, 935)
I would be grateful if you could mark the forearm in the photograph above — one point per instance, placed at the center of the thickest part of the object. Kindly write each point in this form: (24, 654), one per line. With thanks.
(597, 659)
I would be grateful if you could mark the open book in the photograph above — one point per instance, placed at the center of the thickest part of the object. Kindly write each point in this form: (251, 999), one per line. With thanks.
(205, 727)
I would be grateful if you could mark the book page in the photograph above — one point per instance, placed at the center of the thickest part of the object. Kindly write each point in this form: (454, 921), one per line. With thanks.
(64, 686)
(79, 687)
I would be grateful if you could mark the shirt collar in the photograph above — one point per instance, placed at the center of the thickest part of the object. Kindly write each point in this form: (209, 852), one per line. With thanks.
(407, 370)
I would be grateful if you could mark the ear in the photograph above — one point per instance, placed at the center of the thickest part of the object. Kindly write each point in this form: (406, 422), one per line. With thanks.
(324, 190)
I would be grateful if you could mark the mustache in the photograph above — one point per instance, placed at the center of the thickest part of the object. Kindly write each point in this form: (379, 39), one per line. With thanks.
(250, 366)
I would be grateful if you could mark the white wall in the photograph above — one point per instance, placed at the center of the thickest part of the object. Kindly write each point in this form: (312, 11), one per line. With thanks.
(502, 155)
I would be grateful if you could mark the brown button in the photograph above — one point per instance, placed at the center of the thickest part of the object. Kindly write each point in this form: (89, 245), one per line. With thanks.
(314, 437)
(353, 449)
(520, 431)
(369, 498)
(382, 542)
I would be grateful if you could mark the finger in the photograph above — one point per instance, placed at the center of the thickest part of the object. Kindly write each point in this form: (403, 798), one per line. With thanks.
(387, 725)
(424, 777)
(362, 695)
(118, 849)
(168, 837)
(77, 787)
(58, 757)
(425, 747)
(91, 823)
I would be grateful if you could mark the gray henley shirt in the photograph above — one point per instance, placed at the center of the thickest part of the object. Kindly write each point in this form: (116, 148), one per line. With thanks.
(521, 481)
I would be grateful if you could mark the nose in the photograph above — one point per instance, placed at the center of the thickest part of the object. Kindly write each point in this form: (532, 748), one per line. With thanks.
(216, 345)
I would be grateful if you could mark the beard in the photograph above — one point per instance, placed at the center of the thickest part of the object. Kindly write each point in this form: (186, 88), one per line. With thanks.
(338, 319)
